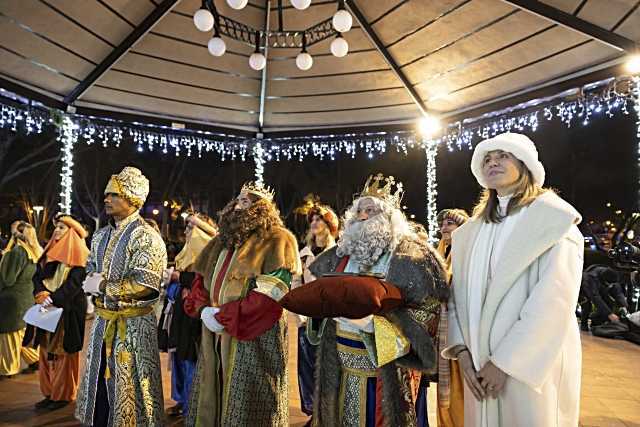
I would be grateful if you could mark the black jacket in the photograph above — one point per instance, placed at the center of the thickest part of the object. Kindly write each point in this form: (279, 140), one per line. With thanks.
(71, 298)
(184, 332)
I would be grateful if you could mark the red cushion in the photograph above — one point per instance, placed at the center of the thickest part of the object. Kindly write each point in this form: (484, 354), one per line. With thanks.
(349, 296)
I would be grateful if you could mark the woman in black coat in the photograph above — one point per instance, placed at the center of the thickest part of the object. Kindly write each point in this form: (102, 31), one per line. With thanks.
(58, 283)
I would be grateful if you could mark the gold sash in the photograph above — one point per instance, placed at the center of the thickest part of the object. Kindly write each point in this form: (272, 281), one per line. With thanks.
(117, 321)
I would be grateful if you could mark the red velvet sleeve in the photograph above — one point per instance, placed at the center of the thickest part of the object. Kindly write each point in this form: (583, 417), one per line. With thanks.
(249, 317)
(197, 299)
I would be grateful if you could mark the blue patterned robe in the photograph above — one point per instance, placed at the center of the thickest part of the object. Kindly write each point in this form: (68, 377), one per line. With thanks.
(131, 256)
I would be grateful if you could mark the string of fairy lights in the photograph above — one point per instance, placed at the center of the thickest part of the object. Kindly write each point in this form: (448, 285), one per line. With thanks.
(606, 98)
(636, 107)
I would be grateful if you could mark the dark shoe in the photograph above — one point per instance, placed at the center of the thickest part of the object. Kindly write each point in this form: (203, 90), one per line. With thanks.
(43, 403)
(31, 368)
(175, 411)
(57, 404)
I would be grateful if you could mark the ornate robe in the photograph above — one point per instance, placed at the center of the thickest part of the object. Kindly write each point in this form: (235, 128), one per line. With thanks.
(242, 378)
(131, 256)
(370, 379)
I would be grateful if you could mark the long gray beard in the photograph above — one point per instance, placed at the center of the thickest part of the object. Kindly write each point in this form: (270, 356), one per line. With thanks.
(366, 241)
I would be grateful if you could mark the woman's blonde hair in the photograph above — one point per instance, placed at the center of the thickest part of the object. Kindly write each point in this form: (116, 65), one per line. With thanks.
(525, 192)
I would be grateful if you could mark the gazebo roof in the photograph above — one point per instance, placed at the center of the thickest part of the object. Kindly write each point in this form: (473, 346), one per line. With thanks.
(443, 56)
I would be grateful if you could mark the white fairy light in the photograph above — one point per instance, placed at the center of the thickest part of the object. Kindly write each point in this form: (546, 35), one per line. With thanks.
(67, 137)
(259, 160)
(431, 150)
(635, 92)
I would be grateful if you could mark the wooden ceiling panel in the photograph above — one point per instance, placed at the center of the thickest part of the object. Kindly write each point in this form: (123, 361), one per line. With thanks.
(96, 16)
(606, 14)
(552, 41)
(630, 28)
(568, 6)
(339, 101)
(464, 20)
(412, 15)
(178, 51)
(17, 68)
(110, 98)
(580, 57)
(39, 50)
(46, 21)
(164, 89)
(323, 65)
(177, 26)
(157, 67)
(363, 81)
(249, 15)
(338, 119)
(134, 10)
(516, 28)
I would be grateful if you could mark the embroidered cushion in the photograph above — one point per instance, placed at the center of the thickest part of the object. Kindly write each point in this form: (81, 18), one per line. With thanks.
(349, 296)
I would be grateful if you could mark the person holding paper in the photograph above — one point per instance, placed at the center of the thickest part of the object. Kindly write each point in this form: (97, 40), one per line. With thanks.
(368, 370)
(58, 283)
(121, 383)
(17, 267)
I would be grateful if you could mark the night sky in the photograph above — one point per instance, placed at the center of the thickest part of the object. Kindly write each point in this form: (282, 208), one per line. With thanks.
(589, 166)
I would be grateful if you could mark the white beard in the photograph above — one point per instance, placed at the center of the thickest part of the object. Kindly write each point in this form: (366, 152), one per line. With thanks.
(366, 241)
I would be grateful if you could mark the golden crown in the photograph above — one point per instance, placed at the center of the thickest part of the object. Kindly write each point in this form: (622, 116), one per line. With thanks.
(380, 187)
(259, 190)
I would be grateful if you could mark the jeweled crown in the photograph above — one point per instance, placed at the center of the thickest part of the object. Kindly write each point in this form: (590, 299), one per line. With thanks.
(259, 190)
(380, 187)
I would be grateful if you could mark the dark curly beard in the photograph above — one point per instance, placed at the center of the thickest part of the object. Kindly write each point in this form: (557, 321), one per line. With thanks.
(236, 226)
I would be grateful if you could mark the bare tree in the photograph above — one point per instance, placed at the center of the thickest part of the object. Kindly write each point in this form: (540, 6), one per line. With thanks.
(12, 168)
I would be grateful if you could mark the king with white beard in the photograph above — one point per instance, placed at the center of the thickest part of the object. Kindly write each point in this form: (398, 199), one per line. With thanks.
(368, 370)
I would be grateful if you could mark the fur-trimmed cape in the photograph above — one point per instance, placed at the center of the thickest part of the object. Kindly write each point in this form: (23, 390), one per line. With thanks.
(419, 272)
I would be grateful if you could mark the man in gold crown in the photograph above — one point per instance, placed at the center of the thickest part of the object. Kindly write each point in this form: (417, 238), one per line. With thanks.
(368, 370)
(121, 383)
(241, 377)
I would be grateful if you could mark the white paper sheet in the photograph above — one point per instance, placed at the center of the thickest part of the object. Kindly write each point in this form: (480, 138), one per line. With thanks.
(91, 284)
(43, 318)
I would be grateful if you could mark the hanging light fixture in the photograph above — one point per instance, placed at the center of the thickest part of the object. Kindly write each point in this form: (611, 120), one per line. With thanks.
(342, 20)
(301, 4)
(237, 4)
(203, 19)
(216, 46)
(208, 17)
(339, 46)
(304, 61)
(257, 60)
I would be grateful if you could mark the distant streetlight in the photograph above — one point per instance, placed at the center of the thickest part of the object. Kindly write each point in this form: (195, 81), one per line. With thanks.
(37, 210)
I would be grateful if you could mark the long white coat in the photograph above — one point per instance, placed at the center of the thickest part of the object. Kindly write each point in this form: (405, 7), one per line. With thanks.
(528, 327)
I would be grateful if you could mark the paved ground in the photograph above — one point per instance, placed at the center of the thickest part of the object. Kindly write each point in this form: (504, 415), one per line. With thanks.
(610, 392)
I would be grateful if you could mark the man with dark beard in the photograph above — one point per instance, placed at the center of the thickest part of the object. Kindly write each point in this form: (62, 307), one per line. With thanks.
(242, 377)
(368, 370)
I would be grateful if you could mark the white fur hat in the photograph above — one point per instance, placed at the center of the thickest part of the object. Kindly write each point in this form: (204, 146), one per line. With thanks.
(517, 144)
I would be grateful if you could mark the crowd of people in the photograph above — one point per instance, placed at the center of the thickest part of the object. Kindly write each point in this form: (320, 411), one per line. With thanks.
(487, 315)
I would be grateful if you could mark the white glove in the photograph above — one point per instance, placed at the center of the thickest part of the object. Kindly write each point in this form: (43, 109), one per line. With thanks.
(208, 318)
(91, 284)
(47, 302)
(365, 324)
(166, 275)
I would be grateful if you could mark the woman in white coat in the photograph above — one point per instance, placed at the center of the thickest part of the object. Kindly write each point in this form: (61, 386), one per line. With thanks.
(516, 275)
